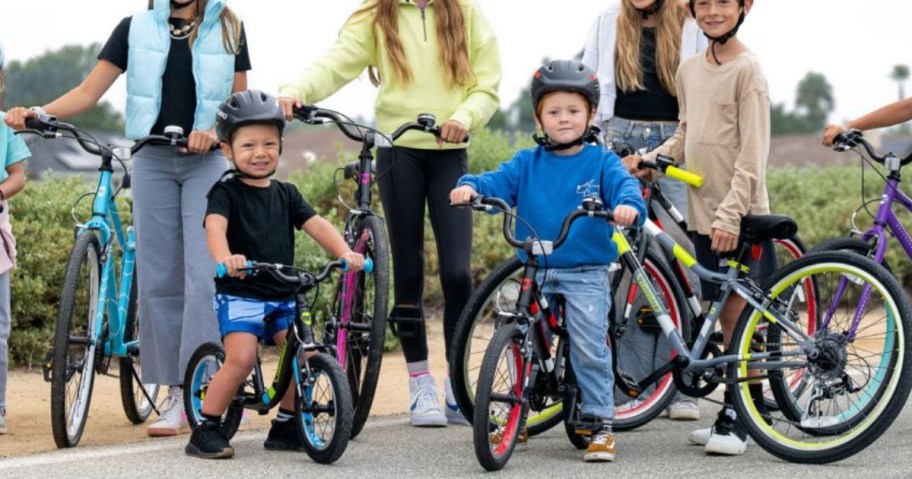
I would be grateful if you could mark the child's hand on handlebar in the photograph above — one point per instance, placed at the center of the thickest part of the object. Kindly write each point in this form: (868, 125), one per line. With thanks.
(452, 131)
(831, 132)
(288, 104)
(624, 215)
(462, 194)
(632, 163)
(200, 141)
(355, 260)
(234, 263)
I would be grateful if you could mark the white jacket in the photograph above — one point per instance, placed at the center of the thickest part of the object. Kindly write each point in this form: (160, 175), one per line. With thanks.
(600, 47)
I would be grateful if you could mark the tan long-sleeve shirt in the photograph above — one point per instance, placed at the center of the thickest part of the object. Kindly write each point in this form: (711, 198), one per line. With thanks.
(724, 134)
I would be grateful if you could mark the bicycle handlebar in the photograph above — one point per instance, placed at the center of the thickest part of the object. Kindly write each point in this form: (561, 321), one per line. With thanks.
(666, 165)
(276, 270)
(49, 127)
(591, 207)
(314, 115)
(849, 139)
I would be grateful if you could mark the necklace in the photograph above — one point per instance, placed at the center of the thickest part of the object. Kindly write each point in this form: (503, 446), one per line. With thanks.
(182, 32)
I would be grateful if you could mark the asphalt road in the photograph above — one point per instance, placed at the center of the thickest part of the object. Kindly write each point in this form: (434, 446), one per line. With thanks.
(389, 447)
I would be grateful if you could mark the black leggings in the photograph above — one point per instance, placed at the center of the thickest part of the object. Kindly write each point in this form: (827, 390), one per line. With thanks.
(408, 179)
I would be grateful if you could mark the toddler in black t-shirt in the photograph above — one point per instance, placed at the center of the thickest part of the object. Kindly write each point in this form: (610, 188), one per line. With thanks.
(250, 216)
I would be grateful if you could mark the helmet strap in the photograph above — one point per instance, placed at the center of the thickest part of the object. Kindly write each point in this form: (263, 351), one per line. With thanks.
(721, 39)
(590, 136)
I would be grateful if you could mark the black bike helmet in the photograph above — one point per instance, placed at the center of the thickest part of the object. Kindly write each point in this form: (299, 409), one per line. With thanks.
(565, 75)
(246, 108)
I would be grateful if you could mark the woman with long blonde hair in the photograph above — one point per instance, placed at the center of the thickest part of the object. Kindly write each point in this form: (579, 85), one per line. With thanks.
(437, 57)
(182, 58)
(635, 46)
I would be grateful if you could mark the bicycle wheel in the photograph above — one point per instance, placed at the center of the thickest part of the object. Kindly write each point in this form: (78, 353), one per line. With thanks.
(851, 244)
(362, 305)
(206, 360)
(137, 397)
(477, 323)
(640, 347)
(324, 408)
(856, 376)
(75, 342)
(498, 418)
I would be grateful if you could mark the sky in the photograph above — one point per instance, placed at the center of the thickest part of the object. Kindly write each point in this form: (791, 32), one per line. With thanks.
(854, 46)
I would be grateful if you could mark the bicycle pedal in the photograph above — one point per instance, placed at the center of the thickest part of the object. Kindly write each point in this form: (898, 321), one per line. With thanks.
(405, 321)
(583, 432)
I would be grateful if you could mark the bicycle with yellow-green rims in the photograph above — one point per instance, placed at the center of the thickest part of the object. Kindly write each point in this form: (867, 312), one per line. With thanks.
(836, 387)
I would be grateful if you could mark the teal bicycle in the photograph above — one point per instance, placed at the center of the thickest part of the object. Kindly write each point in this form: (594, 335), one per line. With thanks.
(97, 320)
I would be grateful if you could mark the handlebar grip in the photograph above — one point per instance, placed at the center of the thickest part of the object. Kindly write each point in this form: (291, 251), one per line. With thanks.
(35, 124)
(684, 176)
(221, 270)
(368, 265)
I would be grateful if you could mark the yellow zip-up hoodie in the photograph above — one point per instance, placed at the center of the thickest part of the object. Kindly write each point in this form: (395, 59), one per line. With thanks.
(359, 46)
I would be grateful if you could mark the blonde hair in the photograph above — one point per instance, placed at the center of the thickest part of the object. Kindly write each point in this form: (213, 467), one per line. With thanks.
(451, 39)
(231, 26)
(628, 71)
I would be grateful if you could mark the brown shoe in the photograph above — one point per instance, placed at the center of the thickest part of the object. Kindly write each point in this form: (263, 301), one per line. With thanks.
(602, 448)
(521, 441)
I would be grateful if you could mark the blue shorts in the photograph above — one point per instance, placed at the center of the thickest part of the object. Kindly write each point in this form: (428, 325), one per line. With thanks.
(263, 319)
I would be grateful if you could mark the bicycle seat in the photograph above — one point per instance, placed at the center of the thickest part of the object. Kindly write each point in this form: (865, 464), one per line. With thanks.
(757, 228)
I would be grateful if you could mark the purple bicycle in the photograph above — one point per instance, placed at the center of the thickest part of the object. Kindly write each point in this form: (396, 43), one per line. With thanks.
(873, 241)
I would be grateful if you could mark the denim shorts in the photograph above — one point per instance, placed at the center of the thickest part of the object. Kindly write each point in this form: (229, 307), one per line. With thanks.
(263, 319)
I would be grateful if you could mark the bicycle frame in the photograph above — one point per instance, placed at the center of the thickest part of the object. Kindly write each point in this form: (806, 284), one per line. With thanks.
(731, 282)
(112, 300)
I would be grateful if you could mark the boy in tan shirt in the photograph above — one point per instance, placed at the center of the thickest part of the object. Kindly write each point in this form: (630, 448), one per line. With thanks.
(724, 133)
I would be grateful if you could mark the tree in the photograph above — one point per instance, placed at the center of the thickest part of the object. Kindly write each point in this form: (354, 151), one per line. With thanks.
(42, 79)
(900, 74)
(814, 101)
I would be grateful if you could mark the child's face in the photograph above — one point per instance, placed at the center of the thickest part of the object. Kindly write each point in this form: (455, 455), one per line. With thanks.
(255, 150)
(718, 17)
(564, 116)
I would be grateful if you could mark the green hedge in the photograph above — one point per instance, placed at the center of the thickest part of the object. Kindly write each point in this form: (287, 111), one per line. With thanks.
(821, 199)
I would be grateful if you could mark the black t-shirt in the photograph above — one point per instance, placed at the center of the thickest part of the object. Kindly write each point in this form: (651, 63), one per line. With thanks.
(261, 225)
(653, 103)
(178, 86)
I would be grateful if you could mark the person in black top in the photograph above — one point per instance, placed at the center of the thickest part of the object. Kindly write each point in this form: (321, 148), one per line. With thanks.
(182, 58)
(250, 216)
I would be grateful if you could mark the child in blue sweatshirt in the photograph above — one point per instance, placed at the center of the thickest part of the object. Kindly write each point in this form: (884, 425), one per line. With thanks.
(545, 184)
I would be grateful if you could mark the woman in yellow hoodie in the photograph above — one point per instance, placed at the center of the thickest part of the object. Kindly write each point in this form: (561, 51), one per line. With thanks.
(426, 56)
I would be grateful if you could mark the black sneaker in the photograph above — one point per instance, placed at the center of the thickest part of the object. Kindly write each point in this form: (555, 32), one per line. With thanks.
(727, 438)
(207, 442)
(283, 436)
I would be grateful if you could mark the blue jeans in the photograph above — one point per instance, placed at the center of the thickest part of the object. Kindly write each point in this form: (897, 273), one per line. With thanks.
(587, 298)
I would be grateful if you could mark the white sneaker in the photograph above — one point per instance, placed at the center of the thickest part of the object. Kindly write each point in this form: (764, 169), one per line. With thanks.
(424, 410)
(700, 437)
(726, 438)
(453, 414)
(171, 419)
(684, 410)
(2, 420)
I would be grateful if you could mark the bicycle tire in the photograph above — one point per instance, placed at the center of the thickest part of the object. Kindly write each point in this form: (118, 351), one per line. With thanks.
(205, 361)
(478, 321)
(852, 421)
(362, 353)
(669, 291)
(851, 244)
(323, 422)
(496, 428)
(75, 342)
(138, 398)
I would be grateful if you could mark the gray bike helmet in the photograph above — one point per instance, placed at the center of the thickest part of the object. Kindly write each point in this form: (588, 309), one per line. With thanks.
(246, 108)
(565, 75)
